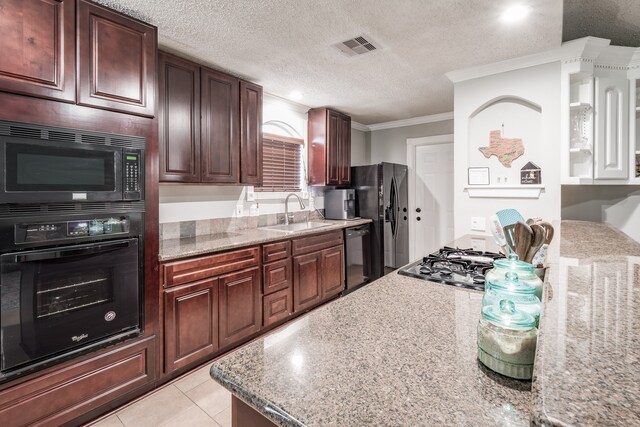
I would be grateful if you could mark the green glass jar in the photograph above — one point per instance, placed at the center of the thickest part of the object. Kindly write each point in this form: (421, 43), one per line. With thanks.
(512, 289)
(507, 339)
(524, 270)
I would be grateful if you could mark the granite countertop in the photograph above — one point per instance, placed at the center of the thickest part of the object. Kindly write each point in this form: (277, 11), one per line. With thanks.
(171, 249)
(398, 352)
(587, 368)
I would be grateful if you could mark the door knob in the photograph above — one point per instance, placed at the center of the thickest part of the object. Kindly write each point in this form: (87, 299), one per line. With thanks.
(418, 218)
(418, 210)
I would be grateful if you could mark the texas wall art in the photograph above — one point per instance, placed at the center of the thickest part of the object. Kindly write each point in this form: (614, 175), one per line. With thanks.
(505, 149)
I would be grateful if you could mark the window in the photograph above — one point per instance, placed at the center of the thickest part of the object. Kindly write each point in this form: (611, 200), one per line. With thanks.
(281, 163)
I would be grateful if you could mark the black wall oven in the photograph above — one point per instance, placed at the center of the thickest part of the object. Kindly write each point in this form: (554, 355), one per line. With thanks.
(68, 284)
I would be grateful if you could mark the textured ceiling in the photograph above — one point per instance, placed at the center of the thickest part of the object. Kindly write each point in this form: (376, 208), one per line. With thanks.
(285, 45)
(616, 20)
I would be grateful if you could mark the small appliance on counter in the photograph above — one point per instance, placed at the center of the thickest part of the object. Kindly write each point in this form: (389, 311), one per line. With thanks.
(340, 204)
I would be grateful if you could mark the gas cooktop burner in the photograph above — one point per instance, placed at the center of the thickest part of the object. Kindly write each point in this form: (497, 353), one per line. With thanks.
(464, 268)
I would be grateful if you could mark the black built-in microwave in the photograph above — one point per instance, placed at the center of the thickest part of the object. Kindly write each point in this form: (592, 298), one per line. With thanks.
(42, 171)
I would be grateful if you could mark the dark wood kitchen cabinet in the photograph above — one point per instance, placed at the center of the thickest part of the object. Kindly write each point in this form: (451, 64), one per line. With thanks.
(191, 323)
(240, 306)
(220, 146)
(250, 133)
(329, 152)
(178, 118)
(38, 48)
(307, 281)
(116, 60)
(210, 132)
(318, 269)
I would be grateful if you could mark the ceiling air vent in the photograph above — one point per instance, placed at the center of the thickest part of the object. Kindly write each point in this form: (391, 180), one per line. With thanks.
(356, 46)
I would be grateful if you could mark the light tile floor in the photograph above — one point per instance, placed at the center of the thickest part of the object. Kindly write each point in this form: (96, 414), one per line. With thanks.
(194, 400)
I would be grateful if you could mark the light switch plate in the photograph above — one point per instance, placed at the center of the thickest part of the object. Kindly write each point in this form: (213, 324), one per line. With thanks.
(478, 223)
(251, 195)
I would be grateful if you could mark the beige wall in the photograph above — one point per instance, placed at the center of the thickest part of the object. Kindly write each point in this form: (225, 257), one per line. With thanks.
(617, 205)
(390, 145)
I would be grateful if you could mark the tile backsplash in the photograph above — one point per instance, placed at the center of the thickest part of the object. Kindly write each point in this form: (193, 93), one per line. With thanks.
(205, 227)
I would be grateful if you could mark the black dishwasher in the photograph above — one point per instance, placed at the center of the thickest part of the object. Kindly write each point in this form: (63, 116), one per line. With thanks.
(357, 257)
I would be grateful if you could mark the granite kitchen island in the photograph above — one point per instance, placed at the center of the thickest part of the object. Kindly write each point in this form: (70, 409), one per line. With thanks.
(402, 352)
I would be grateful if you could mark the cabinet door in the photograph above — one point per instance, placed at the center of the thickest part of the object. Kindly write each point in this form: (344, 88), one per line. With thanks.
(178, 119)
(250, 133)
(611, 159)
(240, 306)
(333, 148)
(344, 161)
(332, 271)
(307, 281)
(38, 48)
(190, 323)
(219, 127)
(116, 61)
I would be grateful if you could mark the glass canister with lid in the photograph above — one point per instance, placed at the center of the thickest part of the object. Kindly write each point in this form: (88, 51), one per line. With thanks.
(524, 270)
(507, 339)
(519, 292)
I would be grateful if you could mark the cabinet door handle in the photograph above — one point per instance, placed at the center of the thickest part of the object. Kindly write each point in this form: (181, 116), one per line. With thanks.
(418, 210)
(418, 218)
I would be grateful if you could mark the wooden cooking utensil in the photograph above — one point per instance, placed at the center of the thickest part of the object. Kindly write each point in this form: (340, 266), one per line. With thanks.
(539, 235)
(549, 231)
(523, 237)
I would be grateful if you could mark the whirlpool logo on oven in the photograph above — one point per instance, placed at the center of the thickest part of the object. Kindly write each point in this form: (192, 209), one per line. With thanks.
(78, 338)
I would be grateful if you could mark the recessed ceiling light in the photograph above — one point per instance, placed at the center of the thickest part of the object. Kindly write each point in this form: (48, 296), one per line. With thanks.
(514, 13)
(295, 95)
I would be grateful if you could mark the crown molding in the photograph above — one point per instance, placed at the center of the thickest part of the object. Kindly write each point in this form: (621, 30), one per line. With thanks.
(292, 105)
(359, 126)
(412, 121)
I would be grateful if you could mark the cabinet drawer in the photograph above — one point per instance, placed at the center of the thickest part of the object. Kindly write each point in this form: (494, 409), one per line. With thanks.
(63, 394)
(178, 272)
(276, 276)
(277, 306)
(276, 251)
(316, 243)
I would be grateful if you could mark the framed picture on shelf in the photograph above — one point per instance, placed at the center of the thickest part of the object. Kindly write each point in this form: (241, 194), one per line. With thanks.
(478, 176)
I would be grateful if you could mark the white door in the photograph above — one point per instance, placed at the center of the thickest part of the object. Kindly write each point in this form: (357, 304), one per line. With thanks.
(432, 216)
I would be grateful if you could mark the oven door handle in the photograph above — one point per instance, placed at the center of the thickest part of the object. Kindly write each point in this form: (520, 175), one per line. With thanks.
(64, 253)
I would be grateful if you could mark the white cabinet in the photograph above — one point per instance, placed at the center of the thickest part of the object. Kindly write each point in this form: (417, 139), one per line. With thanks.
(600, 101)
(611, 157)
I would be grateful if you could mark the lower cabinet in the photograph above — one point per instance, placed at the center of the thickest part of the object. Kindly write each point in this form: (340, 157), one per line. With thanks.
(317, 276)
(332, 271)
(307, 281)
(191, 323)
(240, 306)
(72, 390)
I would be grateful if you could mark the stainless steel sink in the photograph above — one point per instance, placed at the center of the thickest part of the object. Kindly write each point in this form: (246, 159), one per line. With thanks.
(292, 228)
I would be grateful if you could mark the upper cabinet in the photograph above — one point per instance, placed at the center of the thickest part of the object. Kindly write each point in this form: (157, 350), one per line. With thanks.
(600, 117)
(210, 125)
(115, 58)
(38, 48)
(179, 119)
(116, 61)
(329, 147)
(220, 147)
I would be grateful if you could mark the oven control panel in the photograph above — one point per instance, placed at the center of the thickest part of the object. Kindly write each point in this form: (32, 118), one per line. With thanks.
(63, 230)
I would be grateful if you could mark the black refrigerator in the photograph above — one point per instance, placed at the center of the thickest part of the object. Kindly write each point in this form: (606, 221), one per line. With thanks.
(382, 195)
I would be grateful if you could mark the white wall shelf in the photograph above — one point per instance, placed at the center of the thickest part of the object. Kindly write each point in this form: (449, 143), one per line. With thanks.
(531, 191)
(579, 106)
(580, 150)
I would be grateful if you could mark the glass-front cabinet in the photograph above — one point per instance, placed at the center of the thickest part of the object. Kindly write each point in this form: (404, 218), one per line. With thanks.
(600, 113)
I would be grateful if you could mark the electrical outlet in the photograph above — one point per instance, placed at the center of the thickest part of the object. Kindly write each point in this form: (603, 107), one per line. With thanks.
(251, 195)
(312, 203)
(239, 210)
(478, 223)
